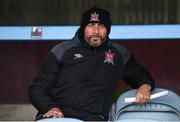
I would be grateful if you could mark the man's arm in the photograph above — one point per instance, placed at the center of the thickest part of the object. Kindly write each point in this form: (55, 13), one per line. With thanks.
(46, 77)
(138, 77)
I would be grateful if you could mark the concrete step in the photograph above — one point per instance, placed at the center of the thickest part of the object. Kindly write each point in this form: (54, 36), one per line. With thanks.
(17, 112)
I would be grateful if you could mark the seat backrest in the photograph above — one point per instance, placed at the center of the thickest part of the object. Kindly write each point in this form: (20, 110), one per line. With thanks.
(166, 108)
(60, 120)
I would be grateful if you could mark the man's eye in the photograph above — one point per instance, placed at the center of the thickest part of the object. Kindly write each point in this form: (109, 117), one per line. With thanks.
(102, 25)
(90, 24)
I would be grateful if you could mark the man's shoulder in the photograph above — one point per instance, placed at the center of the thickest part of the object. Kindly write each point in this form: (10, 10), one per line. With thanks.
(62, 47)
(122, 50)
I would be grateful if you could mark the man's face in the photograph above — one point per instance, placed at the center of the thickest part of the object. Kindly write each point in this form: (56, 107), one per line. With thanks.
(95, 34)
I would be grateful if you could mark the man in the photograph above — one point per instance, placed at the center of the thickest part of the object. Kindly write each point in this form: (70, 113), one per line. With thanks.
(78, 78)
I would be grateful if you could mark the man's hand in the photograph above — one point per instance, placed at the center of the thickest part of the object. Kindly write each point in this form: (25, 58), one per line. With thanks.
(54, 113)
(143, 94)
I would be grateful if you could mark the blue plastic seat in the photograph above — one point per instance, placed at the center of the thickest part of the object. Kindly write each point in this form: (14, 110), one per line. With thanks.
(165, 108)
(60, 120)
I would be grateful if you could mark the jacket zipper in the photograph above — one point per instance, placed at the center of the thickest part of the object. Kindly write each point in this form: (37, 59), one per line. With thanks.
(91, 65)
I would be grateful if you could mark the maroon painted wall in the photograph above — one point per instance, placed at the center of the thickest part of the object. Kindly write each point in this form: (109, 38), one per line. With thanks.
(19, 61)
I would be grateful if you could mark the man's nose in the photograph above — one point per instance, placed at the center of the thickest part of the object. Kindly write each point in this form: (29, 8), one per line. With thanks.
(96, 28)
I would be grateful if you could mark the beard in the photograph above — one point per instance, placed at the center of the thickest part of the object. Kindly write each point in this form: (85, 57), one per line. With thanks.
(95, 40)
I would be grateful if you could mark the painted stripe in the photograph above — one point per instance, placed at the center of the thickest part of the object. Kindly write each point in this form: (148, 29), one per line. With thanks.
(118, 32)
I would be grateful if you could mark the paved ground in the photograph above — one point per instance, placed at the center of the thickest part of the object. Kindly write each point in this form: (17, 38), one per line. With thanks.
(17, 112)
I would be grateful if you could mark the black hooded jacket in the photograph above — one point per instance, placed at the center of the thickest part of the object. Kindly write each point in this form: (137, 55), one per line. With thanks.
(75, 76)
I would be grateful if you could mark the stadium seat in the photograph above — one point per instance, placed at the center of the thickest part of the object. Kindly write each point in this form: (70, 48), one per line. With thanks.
(165, 108)
(60, 120)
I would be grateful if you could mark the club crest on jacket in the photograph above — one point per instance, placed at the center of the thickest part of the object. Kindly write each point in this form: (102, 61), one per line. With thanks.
(109, 57)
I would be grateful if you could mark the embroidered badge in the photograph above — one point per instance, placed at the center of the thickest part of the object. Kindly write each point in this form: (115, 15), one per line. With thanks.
(94, 17)
(109, 57)
(77, 56)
